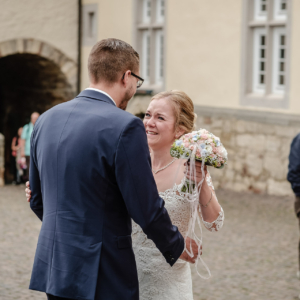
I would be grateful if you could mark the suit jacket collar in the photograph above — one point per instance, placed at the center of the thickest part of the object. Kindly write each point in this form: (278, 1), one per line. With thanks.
(96, 96)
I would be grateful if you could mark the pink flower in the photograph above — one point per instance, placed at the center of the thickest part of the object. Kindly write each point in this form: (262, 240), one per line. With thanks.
(191, 147)
(219, 150)
(204, 136)
(186, 144)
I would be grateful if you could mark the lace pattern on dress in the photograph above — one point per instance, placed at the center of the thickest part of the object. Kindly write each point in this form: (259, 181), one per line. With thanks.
(157, 280)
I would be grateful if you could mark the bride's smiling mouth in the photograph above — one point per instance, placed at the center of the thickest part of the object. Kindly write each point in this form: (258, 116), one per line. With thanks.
(151, 132)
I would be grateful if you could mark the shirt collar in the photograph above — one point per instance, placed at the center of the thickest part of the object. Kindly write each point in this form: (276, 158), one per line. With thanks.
(97, 90)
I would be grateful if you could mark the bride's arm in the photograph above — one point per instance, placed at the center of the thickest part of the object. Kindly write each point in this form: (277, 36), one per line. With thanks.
(211, 211)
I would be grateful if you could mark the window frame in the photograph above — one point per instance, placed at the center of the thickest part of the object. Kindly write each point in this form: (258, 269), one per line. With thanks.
(277, 33)
(257, 87)
(269, 98)
(89, 29)
(154, 82)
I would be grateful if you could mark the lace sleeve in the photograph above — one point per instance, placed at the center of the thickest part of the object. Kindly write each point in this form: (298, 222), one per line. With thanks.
(217, 224)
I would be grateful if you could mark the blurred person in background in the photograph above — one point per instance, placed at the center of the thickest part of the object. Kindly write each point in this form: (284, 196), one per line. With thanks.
(294, 178)
(26, 134)
(16, 154)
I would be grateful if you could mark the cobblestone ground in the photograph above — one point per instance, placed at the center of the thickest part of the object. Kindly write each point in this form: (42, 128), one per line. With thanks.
(254, 256)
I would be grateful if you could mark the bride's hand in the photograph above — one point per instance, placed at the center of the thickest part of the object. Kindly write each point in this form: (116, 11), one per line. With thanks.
(198, 175)
(190, 243)
(28, 191)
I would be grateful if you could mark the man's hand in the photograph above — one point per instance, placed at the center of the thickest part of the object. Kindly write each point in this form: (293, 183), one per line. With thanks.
(28, 191)
(190, 243)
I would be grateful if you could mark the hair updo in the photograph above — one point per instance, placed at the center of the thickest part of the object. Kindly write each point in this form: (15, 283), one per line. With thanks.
(183, 108)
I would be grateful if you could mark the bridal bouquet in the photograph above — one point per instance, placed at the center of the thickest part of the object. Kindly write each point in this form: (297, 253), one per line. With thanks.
(203, 146)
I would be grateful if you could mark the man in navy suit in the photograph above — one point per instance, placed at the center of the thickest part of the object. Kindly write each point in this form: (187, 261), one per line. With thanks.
(90, 174)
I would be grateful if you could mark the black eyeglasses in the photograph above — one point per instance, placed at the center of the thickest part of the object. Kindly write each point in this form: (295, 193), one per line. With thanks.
(140, 80)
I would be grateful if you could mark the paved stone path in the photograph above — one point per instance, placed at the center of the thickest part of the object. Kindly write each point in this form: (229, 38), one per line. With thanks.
(254, 256)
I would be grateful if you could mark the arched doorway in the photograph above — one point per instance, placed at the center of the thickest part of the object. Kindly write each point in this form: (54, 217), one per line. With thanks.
(34, 76)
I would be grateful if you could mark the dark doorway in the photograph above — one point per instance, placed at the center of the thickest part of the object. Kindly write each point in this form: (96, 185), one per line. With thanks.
(28, 83)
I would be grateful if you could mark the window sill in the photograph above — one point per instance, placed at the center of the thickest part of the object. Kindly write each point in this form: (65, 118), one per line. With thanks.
(262, 100)
(259, 23)
(143, 26)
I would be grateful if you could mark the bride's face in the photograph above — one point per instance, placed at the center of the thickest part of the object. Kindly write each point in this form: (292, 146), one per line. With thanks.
(159, 123)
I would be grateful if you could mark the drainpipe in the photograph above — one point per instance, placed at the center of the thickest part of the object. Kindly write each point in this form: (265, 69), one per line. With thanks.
(79, 45)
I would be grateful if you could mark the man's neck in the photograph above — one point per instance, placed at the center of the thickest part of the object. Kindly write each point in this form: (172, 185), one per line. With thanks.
(111, 90)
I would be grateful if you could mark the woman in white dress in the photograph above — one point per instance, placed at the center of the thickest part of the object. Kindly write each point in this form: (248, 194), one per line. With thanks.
(170, 115)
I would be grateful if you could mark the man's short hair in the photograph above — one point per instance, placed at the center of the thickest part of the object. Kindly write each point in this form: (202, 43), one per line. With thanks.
(110, 58)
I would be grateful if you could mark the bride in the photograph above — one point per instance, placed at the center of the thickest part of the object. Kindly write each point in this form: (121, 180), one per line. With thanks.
(169, 116)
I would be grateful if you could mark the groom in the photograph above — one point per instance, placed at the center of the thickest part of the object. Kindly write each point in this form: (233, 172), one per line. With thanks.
(90, 174)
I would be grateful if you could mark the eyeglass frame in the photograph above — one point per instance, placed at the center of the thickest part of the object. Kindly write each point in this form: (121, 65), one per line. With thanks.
(138, 77)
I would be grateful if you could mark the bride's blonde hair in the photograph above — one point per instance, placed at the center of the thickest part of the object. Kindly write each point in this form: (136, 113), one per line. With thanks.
(183, 108)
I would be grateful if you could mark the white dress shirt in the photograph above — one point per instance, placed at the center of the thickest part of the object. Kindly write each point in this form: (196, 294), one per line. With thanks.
(93, 89)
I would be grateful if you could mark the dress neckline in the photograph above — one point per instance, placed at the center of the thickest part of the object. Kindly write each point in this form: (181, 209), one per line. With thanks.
(175, 187)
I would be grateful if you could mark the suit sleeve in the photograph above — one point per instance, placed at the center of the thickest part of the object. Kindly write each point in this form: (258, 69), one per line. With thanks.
(138, 188)
(294, 165)
(36, 201)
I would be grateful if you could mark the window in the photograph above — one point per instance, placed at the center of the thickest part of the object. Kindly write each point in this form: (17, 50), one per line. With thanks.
(146, 56)
(279, 61)
(265, 63)
(150, 16)
(91, 28)
(280, 9)
(160, 11)
(159, 56)
(146, 11)
(260, 10)
(259, 60)
(89, 24)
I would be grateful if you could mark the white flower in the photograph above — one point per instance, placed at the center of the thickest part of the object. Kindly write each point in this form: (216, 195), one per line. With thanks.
(208, 148)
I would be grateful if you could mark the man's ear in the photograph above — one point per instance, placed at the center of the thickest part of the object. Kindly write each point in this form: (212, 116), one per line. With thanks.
(125, 78)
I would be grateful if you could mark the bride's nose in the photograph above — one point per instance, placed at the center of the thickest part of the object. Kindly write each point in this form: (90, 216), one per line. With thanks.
(151, 122)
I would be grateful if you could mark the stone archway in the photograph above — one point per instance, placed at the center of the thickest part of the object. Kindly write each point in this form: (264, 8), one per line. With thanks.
(30, 70)
(45, 50)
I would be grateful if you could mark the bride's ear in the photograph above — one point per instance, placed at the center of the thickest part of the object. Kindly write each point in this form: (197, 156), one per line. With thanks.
(179, 132)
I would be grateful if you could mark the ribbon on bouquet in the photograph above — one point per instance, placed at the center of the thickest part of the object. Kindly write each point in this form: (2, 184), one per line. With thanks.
(192, 191)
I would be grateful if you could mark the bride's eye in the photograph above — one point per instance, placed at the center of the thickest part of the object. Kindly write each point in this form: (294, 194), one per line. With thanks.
(147, 115)
(161, 118)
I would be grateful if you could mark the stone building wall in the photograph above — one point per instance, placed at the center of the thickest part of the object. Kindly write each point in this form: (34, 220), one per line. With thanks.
(258, 145)
(51, 21)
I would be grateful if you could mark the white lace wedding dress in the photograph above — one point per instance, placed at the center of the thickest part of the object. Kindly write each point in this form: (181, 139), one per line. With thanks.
(157, 279)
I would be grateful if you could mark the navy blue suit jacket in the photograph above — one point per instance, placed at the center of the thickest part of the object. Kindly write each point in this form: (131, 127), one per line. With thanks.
(90, 173)
(294, 166)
